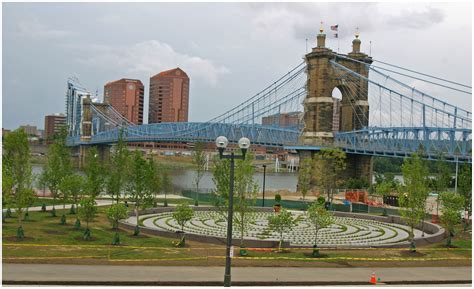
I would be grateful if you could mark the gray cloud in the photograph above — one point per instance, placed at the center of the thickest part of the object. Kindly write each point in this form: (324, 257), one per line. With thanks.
(149, 57)
(33, 28)
(303, 19)
(417, 19)
(230, 50)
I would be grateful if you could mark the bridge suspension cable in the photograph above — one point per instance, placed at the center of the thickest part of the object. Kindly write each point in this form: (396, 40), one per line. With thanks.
(372, 66)
(424, 74)
(415, 109)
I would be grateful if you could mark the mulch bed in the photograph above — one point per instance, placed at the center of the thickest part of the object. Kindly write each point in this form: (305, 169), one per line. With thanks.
(15, 239)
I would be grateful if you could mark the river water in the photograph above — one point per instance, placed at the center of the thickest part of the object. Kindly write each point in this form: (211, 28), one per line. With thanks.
(184, 179)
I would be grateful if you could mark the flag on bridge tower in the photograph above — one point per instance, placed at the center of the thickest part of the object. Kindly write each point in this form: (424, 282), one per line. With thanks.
(335, 28)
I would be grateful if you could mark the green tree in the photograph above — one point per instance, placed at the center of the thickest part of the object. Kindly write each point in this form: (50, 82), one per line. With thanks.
(72, 187)
(182, 215)
(413, 200)
(7, 188)
(95, 173)
(42, 181)
(304, 176)
(245, 191)
(58, 166)
(355, 184)
(451, 213)
(282, 222)
(199, 160)
(328, 165)
(153, 179)
(87, 211)
(115, 213)
(465, 190)
(118, 164)
(138, 186)
(319, 218)
(442, 179)
(166, 185)
(18, 175)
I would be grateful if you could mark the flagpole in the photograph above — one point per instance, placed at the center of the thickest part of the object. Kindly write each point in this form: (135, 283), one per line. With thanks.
(338, 39)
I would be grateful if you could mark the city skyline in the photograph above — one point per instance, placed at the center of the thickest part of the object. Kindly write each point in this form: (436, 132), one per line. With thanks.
(260, 42)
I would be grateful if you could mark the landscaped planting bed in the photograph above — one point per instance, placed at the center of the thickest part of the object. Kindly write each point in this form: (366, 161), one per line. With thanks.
(345, 232)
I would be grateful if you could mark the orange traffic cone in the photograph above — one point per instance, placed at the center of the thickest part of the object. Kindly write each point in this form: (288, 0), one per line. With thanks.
(373, 279)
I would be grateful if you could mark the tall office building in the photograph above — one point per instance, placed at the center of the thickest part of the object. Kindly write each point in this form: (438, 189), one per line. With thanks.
(169, 97)
(53, 124)
(126, 96)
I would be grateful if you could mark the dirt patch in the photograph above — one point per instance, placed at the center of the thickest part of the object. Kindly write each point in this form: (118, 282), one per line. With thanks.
(412, 254)
(15, 239)
(54, 232)
(115, 230)
(91, 239)
(139, 236)
(321, 256)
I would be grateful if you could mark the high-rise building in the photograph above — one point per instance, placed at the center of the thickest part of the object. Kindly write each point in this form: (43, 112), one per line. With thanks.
(53, 124)
(285, 119)
(169, 97)
(126, 96)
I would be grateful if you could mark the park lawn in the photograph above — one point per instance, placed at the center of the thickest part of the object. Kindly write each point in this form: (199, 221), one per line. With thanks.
(48, 202)
(42, 228)
(49, 242)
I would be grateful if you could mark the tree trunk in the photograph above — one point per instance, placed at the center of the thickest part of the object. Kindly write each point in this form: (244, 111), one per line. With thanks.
(196, 202)
(316, 236)
(136, 213)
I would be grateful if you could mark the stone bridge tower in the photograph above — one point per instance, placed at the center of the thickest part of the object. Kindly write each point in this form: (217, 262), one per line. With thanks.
(86, 130)
(323, 77)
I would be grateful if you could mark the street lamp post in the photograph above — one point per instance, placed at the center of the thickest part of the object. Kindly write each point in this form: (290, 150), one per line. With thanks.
(264, 172)
(221, 143)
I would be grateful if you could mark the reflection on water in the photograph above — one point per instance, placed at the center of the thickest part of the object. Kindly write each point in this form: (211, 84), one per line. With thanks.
(184, 179)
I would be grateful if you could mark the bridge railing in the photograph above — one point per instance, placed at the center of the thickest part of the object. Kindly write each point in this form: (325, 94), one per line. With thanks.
(452, 144)
(197, 132)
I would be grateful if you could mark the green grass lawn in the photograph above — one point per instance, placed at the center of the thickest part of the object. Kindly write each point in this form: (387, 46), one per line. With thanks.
(46, 239)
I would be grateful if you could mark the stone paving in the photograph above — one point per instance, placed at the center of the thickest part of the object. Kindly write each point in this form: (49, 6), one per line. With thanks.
(345, 232)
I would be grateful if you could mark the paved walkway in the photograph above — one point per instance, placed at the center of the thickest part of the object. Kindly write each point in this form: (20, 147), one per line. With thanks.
(103, 274)
(60, 206)
(99, 202)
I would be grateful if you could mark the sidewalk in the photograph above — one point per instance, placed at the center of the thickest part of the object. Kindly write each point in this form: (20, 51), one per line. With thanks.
(60, 206)
(183, 275)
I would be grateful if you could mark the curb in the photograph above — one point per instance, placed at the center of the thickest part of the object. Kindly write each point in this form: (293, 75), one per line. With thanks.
(235, 283)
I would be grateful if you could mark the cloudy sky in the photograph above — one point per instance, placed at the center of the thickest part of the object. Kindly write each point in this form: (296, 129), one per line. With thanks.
(229, 50)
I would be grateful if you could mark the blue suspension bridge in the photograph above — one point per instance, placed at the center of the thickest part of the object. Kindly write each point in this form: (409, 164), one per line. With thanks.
(401, 120)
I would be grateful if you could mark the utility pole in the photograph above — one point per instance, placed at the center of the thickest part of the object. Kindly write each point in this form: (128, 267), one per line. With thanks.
(264, 172)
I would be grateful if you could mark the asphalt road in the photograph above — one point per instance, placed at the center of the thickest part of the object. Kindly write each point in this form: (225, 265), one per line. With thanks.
(106, 274)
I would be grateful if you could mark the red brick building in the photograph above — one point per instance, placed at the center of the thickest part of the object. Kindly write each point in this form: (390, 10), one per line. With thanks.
(169, 97)
(52, 125)
(126, 96)
(286, 119)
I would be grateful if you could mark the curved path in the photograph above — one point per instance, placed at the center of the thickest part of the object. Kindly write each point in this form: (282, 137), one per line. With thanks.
(345, 231)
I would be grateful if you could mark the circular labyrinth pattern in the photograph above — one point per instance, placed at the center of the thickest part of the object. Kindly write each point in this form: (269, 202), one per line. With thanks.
(344, 232)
